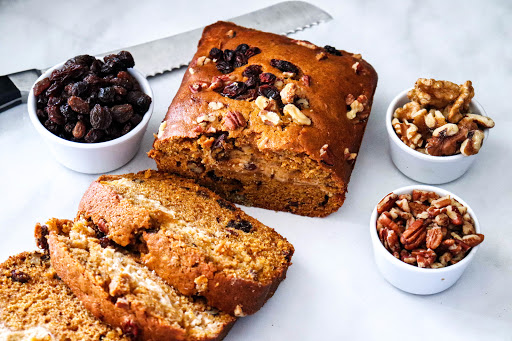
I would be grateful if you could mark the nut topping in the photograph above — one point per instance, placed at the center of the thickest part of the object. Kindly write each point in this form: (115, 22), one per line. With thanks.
(234, 120)
(296, 115)
(355, 107)
(215, 105)
(269, 117)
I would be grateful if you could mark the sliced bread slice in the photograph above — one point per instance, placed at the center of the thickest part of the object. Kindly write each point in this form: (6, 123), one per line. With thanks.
(36, 305)
(122, 292)
(192, 238)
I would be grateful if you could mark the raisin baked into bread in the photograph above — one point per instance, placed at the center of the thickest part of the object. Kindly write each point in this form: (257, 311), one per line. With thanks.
(192, 238)
(268, 121)
(36, 305)
(114, 287)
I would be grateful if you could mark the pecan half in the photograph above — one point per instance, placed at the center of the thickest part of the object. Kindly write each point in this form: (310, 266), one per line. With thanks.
(234, 120)
(414, 235)
(386, 203)
(434, 237)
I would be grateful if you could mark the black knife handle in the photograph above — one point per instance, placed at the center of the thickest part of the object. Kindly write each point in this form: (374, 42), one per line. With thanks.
(15, 88)
(10, 95)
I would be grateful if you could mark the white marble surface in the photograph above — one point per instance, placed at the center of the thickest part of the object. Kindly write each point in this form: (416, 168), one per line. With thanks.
(333, 289)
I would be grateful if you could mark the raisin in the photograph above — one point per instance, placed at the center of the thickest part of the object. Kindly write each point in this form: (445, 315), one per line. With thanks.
(224, 67)
(41, 86)
(249, 95)
(93, 80)
(120, 91)
(267, 78)
(228, 55)
(252, 81)
(219, 141)
(52, 127)
(268, 91)
(252, 51)
(139, 100)
(126, 59)
(41, 114)
(211, 174)
(124, 79)
(79, 130)
(113, 64)
(53, 89)
(252, 70)
(122, 113)
(67, 73)
(284, 66)
(96, 66)
(242, 225)
(92, 99)
(19, 276)
(250, 166)
(203, 194)
(79, 105)
(42, 241)
(131, 329)
(215, 53)
(106, 95)
(242, 48)
(54, 115)
(101, 118)
(105, 242)
(79, 89)
(226, 204)
(94, 135)
(126, 128)
(332, 50)
(42, 100)
(84, 59)
(234, 89)
(240, 60)
(56, 101)
(136, 119)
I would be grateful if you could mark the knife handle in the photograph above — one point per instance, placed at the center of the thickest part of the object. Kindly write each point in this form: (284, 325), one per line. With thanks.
(14, 88)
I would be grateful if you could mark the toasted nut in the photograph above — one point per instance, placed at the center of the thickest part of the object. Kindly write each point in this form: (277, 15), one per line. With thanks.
(269, 117)
(414, 235)
(303, 103)
(386, 203)
(448, 129)
(321, 55)
(215, 105)
(203, 60)
(473, 143)
(348, 155)
(296, 114)
(262, 102)
(434, 237)
(442, 202)
(289, 93)
(483, 121)
(355, 107)
(473, 240)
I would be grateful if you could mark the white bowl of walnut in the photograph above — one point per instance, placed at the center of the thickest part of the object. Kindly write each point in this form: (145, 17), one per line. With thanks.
(436, 130)
(423, 238)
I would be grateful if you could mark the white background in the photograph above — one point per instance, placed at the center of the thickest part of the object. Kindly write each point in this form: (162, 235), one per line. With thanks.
(333, 289)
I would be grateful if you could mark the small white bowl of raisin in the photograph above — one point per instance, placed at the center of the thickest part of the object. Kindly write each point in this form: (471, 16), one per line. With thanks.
(92, 113)
(423, 238)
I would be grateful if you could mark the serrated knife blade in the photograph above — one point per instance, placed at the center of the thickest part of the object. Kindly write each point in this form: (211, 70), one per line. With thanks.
(173, 52)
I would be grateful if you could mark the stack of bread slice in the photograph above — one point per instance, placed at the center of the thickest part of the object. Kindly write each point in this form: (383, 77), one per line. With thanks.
(149, 256)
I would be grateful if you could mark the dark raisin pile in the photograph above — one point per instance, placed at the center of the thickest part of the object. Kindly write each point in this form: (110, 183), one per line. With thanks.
(228, 60)
(91, 100)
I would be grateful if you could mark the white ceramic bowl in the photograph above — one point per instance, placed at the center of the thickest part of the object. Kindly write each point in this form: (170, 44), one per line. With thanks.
(411, 278)
(422, 167)
(98, 157)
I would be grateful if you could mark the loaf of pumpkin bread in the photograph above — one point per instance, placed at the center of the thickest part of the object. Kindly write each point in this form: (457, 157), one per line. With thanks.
(268, 121)
(36, 305)
(196, 241)
(117, 289)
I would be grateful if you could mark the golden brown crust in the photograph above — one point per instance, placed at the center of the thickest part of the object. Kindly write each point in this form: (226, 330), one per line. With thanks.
(178, 263)
(133, 319)
(333, 79)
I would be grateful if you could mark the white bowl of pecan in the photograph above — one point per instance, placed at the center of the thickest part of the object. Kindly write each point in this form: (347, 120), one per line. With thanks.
(423, 238)
(436, 130)
(92, 113)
